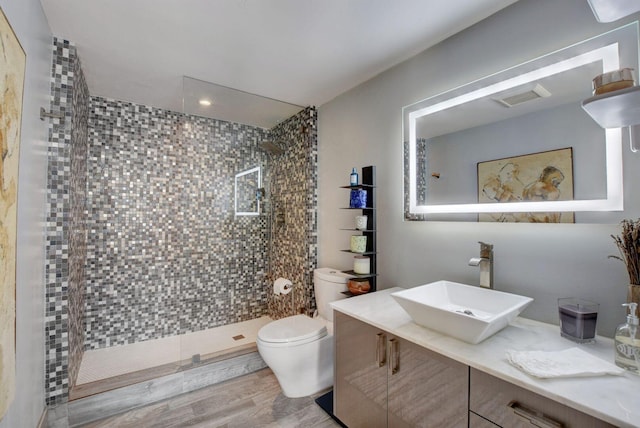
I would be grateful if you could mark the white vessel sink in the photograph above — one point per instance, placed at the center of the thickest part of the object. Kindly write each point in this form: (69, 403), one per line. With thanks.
(466, 312)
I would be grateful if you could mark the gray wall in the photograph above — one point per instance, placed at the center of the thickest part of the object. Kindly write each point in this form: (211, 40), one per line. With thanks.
(364, 126)
(31, 27)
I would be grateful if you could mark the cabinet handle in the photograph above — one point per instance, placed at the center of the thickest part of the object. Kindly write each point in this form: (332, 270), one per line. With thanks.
(534, 417)
(395, 356)
(381, 350)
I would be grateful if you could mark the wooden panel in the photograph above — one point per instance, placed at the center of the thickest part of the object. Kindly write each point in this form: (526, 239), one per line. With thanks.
(476, 421)
(103, 385)
(428, 390)
(87, 389)
(360, 386)
(108, 403)
(490, 397)
(213, 373)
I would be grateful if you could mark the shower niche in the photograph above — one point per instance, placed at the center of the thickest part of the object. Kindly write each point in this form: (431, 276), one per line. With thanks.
(248, 192)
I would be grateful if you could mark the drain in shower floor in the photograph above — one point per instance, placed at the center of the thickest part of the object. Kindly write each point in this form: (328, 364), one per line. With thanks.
(238, 337)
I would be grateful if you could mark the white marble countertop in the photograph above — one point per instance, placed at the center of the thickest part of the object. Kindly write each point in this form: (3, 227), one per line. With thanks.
(614, 399)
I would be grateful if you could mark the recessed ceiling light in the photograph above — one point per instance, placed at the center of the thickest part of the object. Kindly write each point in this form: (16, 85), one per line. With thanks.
(205, 102)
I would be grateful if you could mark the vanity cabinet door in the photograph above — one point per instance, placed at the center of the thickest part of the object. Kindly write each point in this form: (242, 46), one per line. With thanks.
(425, 388)
(476, 421)
(510, 406)
(360, 383)
(382, 380)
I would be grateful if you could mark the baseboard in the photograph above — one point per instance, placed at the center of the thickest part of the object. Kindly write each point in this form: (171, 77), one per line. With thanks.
(42, 423)
(325, 402)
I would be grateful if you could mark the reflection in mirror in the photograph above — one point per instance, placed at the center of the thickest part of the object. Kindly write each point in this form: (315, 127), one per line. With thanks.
(247, 187)
(519, 141)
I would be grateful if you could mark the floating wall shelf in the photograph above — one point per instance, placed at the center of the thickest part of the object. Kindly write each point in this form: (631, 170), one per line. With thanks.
(615, 109)
(612, 10)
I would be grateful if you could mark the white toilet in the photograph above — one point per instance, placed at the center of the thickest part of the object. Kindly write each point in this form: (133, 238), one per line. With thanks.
(299, 349)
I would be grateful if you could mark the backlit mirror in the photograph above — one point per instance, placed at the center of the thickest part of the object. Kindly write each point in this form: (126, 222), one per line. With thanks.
(247, 186)
(517, 146)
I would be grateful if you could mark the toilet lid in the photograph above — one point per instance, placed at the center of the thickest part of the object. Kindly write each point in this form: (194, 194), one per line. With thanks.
(292, 329)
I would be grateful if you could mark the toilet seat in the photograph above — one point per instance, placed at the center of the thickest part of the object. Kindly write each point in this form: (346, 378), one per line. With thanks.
(292, 331)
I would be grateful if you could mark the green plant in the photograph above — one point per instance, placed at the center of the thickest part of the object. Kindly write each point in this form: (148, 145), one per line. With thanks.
(629, 246)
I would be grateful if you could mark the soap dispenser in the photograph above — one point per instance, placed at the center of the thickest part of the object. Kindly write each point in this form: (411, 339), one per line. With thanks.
(353, 179)
(627, 341)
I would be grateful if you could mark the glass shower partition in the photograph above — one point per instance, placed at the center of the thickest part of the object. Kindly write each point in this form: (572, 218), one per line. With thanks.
(228, 212)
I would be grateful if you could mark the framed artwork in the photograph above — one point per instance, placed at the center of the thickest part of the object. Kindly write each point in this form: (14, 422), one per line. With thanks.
(544, 176)
(12, 70)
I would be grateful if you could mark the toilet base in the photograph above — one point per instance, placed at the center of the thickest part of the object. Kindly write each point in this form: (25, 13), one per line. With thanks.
(301, 370)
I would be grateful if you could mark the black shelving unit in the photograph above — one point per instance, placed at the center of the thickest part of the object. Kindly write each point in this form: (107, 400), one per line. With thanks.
(369, 185)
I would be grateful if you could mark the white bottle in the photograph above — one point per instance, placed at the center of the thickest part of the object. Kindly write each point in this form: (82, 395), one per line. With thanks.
(627, 341)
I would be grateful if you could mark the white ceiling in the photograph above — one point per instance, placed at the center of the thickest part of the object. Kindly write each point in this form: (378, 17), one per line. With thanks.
(304, 52)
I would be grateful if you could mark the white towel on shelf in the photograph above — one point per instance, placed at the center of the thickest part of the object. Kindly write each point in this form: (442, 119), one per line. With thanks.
(572, 362)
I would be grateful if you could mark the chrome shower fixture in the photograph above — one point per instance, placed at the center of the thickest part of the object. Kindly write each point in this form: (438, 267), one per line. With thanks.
(272, 147)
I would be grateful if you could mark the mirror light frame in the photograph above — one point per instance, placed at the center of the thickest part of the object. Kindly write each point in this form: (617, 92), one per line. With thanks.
(613, 144)
(235, 192)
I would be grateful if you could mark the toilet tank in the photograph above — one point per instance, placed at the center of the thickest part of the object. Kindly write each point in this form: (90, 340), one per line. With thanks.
(328, 284)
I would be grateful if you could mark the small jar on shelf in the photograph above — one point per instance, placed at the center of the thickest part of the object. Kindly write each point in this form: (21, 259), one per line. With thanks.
(362, 265)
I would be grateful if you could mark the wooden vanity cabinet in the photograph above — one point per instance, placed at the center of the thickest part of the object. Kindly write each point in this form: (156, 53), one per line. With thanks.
(360, 383)
(476, 421)
(427, 389)
(494, 401)
(384, 381)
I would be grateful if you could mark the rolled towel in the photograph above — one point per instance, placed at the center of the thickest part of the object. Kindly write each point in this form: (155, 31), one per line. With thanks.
(572, 362)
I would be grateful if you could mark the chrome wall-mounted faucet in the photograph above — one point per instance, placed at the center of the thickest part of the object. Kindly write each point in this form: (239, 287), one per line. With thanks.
(485, 261)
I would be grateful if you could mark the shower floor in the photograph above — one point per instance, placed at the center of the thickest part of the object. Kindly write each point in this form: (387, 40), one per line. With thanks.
(101, 364)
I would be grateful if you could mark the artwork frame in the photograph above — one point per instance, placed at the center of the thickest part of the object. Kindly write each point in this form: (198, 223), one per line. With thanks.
(12, 78)
(540, 176)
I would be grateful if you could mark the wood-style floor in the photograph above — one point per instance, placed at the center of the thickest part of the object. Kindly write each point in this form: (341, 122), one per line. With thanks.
(253, 400)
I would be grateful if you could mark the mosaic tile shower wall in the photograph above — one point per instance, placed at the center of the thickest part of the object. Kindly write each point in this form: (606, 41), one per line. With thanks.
(78, 221)
(166, 255)
(292, 186)
(66, 226)
(142, 241)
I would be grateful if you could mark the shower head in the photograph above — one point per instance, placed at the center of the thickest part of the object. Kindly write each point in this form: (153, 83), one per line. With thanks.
(271, 147)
